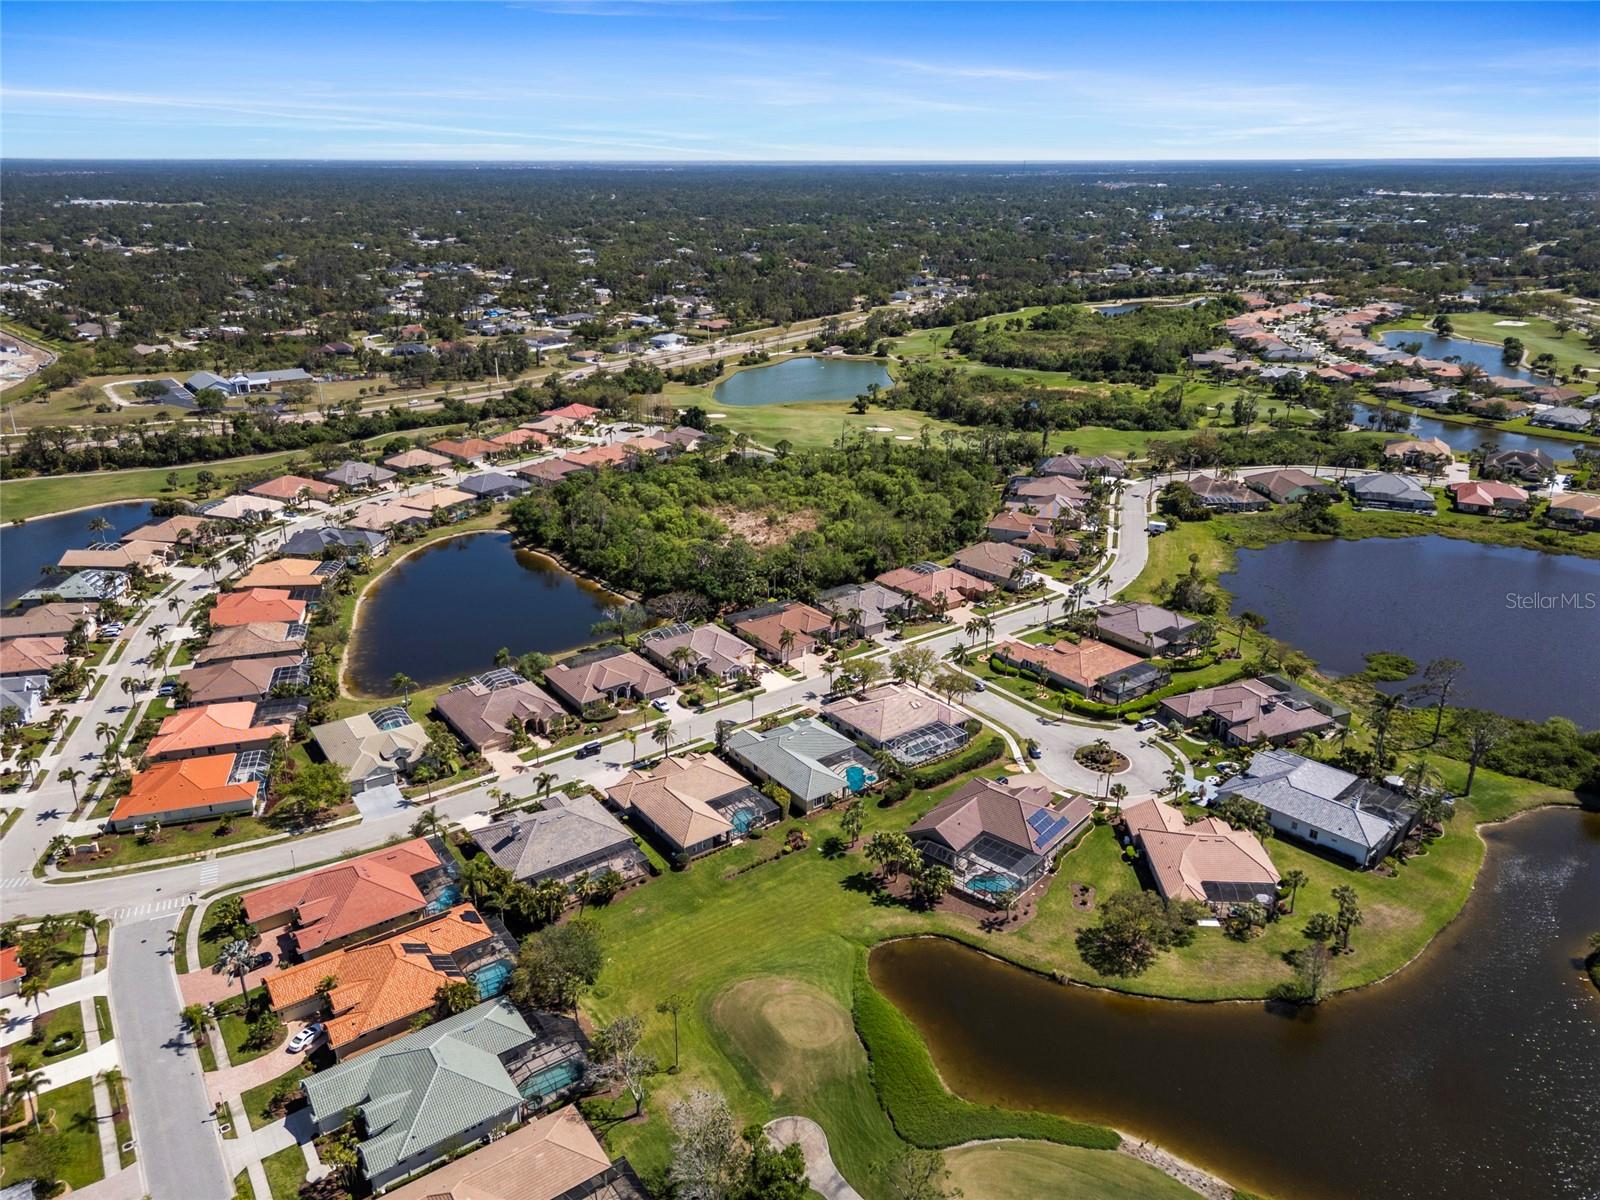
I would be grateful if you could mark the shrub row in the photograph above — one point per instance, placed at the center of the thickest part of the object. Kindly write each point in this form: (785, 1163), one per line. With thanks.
(926, 1115)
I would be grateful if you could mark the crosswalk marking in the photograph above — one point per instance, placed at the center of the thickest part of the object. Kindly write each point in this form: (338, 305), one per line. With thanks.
(151, 909)
(12, 882)
(208, 874)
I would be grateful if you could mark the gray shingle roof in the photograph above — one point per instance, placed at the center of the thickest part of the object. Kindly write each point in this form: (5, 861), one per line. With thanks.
(534, 845)
(428, 1087)
(312, 542)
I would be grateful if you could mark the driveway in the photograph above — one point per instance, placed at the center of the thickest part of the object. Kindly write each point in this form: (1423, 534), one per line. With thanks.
(376, 803)
(179, 1147)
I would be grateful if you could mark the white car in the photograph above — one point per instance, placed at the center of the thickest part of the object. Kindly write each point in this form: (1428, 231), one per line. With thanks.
(661, 704)
(307, 1038)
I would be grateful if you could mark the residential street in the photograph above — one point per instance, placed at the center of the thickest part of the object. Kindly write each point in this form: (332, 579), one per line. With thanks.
(180, 1151)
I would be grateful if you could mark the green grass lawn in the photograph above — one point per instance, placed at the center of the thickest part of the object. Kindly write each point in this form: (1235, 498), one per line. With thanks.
(1538, 335)
(242, 1188)
(286, 1172)
(72, 958)
(255, 1099)
(32, 1052)
(1046, 1171)
(235, 1029)
(819, 423)
(70, 1110)
(125, 849)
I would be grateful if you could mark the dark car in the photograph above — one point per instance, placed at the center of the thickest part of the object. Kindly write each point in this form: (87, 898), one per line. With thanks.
(588, 750)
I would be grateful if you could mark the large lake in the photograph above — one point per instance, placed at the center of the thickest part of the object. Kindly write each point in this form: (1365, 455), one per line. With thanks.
(27, 549)
(1482, 354)
(442, 613)
(1472, 1075)
(800, 379)
(1466, 438)
(1438, 597)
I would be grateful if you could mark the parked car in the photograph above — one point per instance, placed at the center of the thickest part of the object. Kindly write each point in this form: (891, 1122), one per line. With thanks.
(1035, 753)
(588, 750)
(113, 630)
(307, 1038)
(661, 704)
(167, 687)
(1147, 723)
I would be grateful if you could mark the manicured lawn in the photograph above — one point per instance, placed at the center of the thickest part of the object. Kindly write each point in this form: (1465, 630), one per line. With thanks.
(255, 1099)
(286, 1172)
(71, 1110)
(819, 423)
(70, 966)
(235, 1028)
(30, 1053)
(1045, 1171)
(125, 849)
(242, 1189)
(181, 945)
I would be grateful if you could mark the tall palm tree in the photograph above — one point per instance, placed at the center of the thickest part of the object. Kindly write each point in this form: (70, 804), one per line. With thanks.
(1253, 621)
(236, 958)
(1295, 879)
(631, 736)
(543, 781)
(32, 987)
(26, 1085)
(786, 641)
(90, 924)
(662, 736)
(70, 776)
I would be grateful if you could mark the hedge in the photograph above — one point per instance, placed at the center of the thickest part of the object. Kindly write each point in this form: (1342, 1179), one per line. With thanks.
(922, 1112)
(980, 755)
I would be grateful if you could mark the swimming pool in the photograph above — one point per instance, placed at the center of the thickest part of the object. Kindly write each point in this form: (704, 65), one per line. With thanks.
(449, 898)
(744, 819)
(551, 1080)
(992, 884)
(859, 778)
(492, 979)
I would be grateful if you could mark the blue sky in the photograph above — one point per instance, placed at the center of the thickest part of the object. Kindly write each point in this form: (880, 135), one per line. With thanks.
(619, 79)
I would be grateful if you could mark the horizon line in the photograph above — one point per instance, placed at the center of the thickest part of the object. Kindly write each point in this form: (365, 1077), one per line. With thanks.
(6, 161)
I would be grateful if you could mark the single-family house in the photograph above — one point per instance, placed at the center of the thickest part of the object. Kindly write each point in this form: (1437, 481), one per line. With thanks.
(685, 651)
(26, 694)
(784, 632)
(1145, 629)
(999, 838)
(81, 587)
(1575, 510)
(265, 639)
(935, 588)
(1388, 491)
(606, 676)
(1574, 420)
(329, 541)
(1488, 496)
(867, 608)
(1288, 484)
(568, 837)
(1208, 861)
(382, 984)
(1247, 711)
(213, 729)
(243, 509)
(373, 749)
(151, 557)
(1003, 563)
(300, 578)
(187, 789)
(1083, 466)
(1091, 668)
(173, 531)
(465, 450)
(481, 711)
(1226, 495)
(32, 655)
(251, 606)
(50, 620)
(1530, 466)
(294, 489)
(693, 803)
(910, 724)
(12, 973)
(548, 472)
(237, 679)
(413, 462)
(810, 761)
(352, 901)
(1324, 807)
(1419, 452)
(492, 485)
(354, 476)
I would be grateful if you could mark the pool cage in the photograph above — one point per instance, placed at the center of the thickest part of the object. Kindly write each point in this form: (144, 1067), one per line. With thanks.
(926, 743)
(746, 809)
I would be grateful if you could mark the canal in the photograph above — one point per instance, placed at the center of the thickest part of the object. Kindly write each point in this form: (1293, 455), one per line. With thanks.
(1516, 618)
(1472, 1075)
(797, 380)
(27, 549)
(442, 613)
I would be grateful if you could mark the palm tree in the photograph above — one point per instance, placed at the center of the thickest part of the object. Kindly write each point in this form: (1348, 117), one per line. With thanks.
(543, 781)
(405, 685)
(1249, 620)
(427, 822)
(786, 643)
(662, 736)
(631, 736)
(32, 987)
(681, 658)
(236, 958)
(98, 525)
(90, 924)
(973, 629)
(26, 1085)
(1295, 879)
(70, 776)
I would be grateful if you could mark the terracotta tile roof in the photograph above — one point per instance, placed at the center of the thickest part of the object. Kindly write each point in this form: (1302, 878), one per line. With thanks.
(1003, 811)
(766, 631)
(954, 584)
(463, 448)
(384, 981)
(676, 796)
(545, 1159)
(32, 655)
(574, 412)
(213, 725)
(290, 487)
(1488, 492)
(120, 557)
(599, 456)
(585, 679)
(416, 460)
(255, 605)
(347, 897)
(47, 620)
(261, 639)
(993, 560)
(235, 678)
(1184, 858)
(11, 964)
(188, 783)
(1084, 663)
(520, 437)
(1424, 447)
(167, 532)
(1250, 709)
(1580, 504)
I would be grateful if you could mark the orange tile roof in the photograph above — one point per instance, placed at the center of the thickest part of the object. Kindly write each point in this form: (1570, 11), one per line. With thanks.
(289, 487)
(11, 965)
(32, 655)
(463, 447)
(250, 605)
(184, 784)
(521, 437)
(347, 897)
(212, 725)
(384, 981)
(574, 412)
